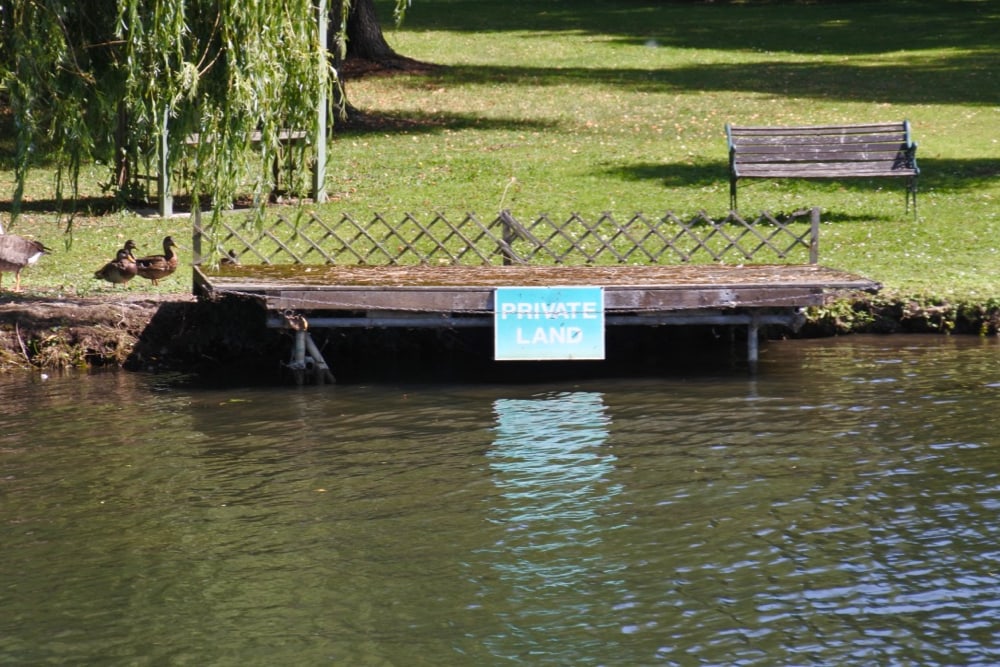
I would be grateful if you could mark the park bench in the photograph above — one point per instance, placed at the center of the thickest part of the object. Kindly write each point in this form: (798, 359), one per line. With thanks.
(873, 150)
(162, 178)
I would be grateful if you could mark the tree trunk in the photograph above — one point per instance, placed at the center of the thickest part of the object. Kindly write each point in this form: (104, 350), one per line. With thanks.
(364, 34)
(366, 51)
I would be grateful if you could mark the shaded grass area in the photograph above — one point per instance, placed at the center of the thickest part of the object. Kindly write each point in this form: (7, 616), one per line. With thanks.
(552, 106)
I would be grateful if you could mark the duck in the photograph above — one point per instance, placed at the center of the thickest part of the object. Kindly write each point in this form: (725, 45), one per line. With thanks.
(130, 247)
(230, 258)
(122, 269)
(17, 252)
(157, 267)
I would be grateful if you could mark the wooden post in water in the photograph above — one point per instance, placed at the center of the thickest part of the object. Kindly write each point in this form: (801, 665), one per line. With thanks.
(305, 353)
(753, 347)
(298, 364)
(321, 371)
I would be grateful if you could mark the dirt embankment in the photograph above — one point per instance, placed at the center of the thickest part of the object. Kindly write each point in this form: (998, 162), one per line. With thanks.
(138, 332)
(889, 315)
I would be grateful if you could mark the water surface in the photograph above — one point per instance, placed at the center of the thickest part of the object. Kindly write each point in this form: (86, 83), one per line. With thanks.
(837, 508)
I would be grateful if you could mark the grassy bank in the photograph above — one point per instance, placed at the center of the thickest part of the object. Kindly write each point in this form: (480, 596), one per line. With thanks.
(552, 106)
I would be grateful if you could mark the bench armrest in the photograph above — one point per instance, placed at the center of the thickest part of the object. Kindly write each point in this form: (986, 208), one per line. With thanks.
(911, 147)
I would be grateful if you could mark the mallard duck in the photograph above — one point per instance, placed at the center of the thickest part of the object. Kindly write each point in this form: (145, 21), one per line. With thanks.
(122, 269)
(157, 267)
(230, 258)
(17, 252)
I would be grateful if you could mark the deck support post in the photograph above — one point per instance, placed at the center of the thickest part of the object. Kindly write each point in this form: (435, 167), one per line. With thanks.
(298, 363)
(753, 347)
(306, 355)
(321, 371)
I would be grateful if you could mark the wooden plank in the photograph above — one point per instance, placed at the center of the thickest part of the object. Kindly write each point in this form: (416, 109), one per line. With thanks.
(746, 151)
(284, 136)
(823, 156)
(456, 300)
(694, 298)
(416, 299)
(872, 128)
(458, 289)
(679, 275)
(823, 170)
(822, 140)
(630, 300)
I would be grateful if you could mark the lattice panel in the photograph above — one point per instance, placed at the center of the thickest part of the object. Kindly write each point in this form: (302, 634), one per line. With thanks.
(604, 240)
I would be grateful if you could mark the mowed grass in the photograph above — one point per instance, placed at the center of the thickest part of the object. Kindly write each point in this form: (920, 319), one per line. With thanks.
(560, 107)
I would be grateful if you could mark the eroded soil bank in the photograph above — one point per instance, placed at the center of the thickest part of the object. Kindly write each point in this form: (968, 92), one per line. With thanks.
(180, 333)
(136, 332)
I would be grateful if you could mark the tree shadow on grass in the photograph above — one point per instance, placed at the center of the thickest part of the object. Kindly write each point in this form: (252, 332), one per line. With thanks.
(955, 79)
(83, 206)
(673, 175)
(958, 175)
(361, 122)
(825, 28)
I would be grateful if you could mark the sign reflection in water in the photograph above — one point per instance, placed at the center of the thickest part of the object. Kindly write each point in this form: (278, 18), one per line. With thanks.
(551, 463)
(839, 509)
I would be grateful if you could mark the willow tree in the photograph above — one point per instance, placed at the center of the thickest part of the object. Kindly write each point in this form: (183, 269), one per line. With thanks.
(360, 33)
(124, 84)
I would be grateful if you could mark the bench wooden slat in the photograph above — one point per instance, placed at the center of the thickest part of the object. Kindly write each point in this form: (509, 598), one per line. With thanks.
(861, 150)
(887, 141)
(857, 153)
(283, 136)
(835, 130)
(821, 170)
(859, 158)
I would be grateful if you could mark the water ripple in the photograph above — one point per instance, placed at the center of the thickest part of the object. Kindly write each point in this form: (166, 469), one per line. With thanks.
(838, 508)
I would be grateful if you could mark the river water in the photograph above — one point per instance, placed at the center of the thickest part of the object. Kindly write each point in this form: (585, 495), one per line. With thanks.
(838, 507)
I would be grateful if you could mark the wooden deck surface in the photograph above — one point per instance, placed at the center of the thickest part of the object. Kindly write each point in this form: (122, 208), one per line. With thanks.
(469, 289)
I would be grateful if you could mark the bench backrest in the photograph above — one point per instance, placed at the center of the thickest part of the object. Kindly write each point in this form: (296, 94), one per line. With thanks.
(885, 146)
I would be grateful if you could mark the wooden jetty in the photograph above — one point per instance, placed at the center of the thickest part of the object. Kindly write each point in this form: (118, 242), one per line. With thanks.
(442, 291)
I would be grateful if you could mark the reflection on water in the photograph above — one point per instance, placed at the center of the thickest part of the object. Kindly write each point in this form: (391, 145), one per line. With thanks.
(838, 508)
(551, 464)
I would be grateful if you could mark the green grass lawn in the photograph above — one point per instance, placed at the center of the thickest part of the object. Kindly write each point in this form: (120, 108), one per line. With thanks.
(559, 106)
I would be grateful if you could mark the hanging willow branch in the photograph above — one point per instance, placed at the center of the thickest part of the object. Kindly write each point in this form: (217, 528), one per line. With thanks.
(220, 72)
(107, 82)
(97, 81)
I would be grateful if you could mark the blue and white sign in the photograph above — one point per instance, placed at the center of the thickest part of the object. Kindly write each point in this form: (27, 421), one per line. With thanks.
(536, 323)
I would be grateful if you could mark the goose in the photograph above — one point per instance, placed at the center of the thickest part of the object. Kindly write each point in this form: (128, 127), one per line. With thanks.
(122, 269)
(157, 267)
(17, 252)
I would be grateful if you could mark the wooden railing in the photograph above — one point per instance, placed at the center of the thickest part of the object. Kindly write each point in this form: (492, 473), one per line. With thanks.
(306, 238)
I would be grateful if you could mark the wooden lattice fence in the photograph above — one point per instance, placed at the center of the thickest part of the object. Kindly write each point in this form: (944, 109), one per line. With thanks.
(306, 238)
